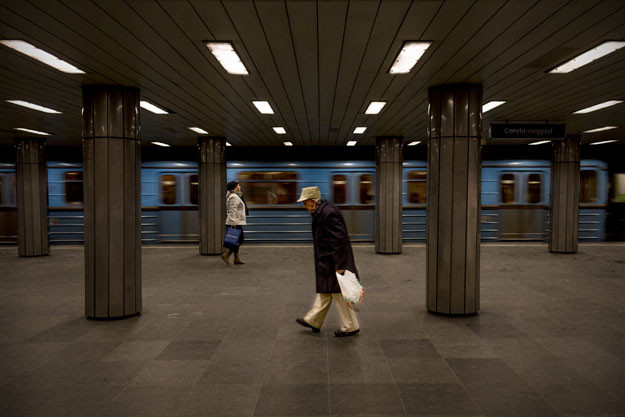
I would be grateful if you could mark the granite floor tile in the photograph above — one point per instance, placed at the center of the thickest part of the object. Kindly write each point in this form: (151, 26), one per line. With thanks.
(421, 370)
(351, 399)
(147, 401)
(171, 372)
(189, 350)
(408, 349)
(293, 400)
(137, 350)
(437, 399)
(235, 371)
(236, 400)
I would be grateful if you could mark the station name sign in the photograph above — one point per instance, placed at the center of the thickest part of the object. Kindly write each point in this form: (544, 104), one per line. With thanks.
(527, 130)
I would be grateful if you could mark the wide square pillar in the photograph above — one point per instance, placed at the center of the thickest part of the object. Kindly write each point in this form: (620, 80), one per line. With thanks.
(212, 198)
(388, 190)
(453, 204)
(112, 201)
(32, 197)
(564, 207)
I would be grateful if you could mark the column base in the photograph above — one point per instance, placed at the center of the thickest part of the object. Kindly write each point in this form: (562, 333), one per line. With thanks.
(437, 313)
(114, 318)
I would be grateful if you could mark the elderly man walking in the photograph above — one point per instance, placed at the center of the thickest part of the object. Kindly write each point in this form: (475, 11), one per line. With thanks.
(333, 254)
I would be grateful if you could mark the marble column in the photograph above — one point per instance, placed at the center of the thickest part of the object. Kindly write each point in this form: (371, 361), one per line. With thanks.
(32, 197)
(453, 206)
(212, 197)
(388, 191)
(112, 201)
(564, 208)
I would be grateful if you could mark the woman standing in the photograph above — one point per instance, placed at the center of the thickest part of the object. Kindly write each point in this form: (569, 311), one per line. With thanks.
(236, 211)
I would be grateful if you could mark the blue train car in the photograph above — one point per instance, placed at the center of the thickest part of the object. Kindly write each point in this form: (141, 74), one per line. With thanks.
(8, 199)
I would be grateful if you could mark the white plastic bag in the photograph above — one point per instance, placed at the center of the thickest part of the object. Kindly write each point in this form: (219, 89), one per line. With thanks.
(352, 290)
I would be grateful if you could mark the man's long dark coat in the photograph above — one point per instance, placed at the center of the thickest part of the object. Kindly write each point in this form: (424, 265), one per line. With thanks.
(333, 250)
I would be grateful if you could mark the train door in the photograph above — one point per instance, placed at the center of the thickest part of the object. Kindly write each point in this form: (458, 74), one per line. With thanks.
(353, 192)
(522, 209)
(8, 213)
(179, 216)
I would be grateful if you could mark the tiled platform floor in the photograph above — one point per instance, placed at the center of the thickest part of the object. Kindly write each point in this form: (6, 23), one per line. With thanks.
(219, 340)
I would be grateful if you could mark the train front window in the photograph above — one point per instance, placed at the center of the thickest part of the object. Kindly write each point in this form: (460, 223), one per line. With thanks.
(339, 189)
(534, 188)
(193, 189)
(417, 187)
(507, 188)
(168, 189)
(366, 189)
(269, 187)
(588, 186)
(73, 188)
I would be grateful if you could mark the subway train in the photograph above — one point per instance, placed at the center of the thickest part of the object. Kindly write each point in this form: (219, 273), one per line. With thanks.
(514, 198)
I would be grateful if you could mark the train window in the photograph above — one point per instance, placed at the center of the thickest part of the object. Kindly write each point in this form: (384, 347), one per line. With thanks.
(417, 187)
(1, 190)
(339, 189)
(588, 186)
(73, 187)
(366, 189)
(534, 188)
(507, 188)
(193, 189)
(269, 187)
(168, 189)
(619, 188)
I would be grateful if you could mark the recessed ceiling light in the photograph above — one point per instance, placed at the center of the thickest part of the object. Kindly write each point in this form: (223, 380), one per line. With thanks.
(603, 142)
(539, 142)
(360, 130)
(161, 144)
(227, 57)
(351, 143)
(36, 132)
(151, 107)
(600, 129)
(228, 144)
(416, 142)
(263, 106)
(198, 130)
(587, 57)
(375, 107)
(599, 106)
(408, 56)
(41, 56)
(491, 105)
(279, 130)
(288, 143)
(33, 106)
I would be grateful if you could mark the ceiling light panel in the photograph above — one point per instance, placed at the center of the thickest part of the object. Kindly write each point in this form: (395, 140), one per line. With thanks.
(151, 107)
(375, 107)
(33, 106)
(279, 130)
(416, 142)
(599, 106)
(228, 144)
(41, 56)
(263, 106)
(36, 132)
(227, 57)
(600, 129)
(360, 130)
(603, 142)
(539, 142)
(352, 143)
(199, 130)
(408, 56)
(161, 144)
(288, 143)
(588, 57)
(491, 105)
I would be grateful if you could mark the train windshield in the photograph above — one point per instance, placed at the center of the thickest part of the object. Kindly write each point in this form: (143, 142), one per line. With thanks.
(588, 186)
(339, 189)
(73, 187)
(269, 187)
(417, 187)
(507, 188)
(534, 188)
(168, 189)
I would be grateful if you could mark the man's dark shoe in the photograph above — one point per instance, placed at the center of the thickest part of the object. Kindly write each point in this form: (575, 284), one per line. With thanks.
(305, 324)
(339, 333)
